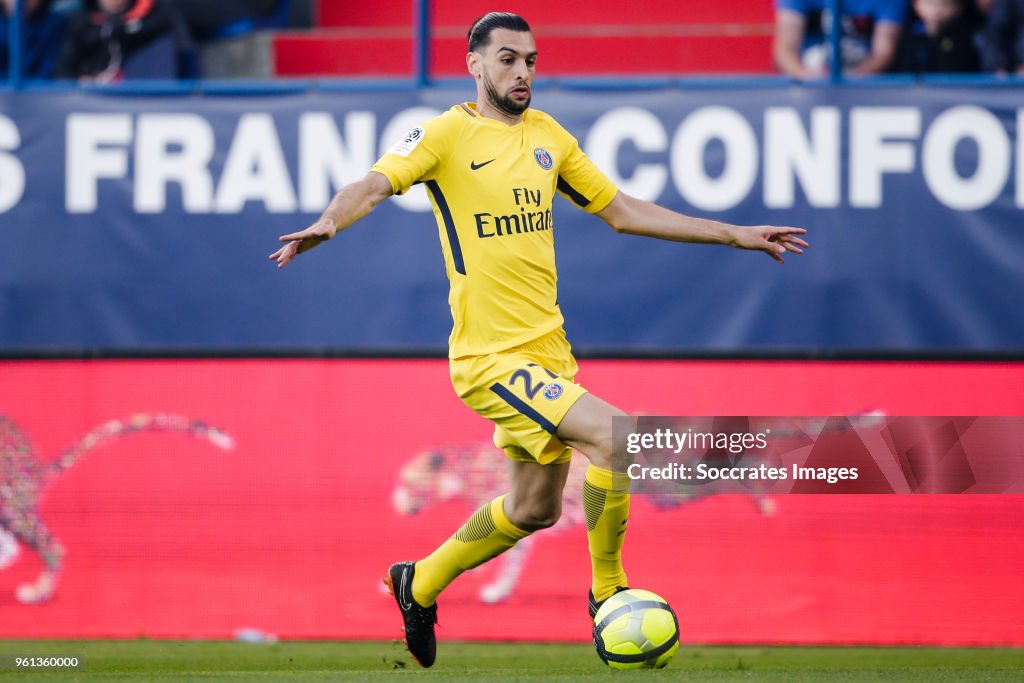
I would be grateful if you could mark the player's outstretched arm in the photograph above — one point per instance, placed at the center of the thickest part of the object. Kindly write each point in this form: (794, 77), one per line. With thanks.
(638, 217)
(350, 204)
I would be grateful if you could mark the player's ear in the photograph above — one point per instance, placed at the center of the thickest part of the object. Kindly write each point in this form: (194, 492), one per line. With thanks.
(473, 64)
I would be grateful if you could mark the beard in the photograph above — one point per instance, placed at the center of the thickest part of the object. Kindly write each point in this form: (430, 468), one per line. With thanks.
(504, 103)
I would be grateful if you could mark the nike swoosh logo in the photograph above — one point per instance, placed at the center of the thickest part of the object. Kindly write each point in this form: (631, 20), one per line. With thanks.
(474, 166)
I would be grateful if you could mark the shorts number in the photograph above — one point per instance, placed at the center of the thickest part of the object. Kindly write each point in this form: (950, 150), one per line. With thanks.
(530, 389)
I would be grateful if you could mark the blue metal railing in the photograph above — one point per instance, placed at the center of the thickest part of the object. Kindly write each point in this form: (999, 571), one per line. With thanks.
(835, 69)
(14, 51)
(421, 75)
(421, 47)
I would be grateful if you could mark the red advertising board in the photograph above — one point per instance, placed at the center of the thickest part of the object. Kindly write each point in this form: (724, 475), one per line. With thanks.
(326, 471)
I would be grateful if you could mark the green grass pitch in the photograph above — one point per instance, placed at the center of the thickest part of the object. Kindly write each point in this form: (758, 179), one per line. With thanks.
(162, 660)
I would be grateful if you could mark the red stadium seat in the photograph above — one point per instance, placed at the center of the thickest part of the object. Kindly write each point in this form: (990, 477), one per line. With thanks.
(651, 37)
(324, 53)
(335, 13)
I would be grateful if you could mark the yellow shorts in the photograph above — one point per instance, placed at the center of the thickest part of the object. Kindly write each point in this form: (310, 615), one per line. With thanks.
(525, 391)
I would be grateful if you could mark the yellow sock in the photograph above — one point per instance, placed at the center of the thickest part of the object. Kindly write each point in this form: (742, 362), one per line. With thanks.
(606, 505)
(487, 534)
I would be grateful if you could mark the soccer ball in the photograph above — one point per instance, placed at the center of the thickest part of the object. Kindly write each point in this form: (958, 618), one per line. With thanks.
(636, 629)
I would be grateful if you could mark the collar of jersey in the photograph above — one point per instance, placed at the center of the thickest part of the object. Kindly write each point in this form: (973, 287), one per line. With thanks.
(477, 116)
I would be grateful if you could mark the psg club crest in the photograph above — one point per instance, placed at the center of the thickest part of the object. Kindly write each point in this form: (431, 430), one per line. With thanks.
(543, 158)
(552, 390)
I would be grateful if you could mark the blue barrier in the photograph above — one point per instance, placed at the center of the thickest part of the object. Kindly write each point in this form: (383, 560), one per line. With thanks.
(142, 221)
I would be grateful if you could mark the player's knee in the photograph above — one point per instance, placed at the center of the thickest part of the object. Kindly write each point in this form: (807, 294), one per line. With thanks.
(542, 521)
(590, 428)
(608, 448)
(536, 515)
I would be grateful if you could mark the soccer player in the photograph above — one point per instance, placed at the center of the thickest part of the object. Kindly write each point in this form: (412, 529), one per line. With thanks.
(492, 169)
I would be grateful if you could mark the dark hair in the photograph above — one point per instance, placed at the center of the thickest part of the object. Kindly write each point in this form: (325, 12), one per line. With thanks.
(480, 32)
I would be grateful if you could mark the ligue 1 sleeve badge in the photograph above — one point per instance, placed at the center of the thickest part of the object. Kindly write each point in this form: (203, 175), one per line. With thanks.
(543, 158)
(552, 390)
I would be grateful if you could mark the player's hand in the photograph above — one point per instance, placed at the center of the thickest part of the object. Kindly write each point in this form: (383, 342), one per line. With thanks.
(304, 240)
(772, 240)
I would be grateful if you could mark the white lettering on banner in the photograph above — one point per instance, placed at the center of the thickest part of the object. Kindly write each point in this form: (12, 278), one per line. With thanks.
(873, 152)
(255, 169)
(789, 154)
(646, 133)
(173, 148)
(687, 158)
(92, 155)
(938, 158)
(800, 158)
(326, 161)
(12, 173)
(416, 198)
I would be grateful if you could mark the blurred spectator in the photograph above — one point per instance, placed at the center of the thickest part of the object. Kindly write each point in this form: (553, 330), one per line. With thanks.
(41, 37)
(231, 43)
(205, 18)
(939, 36)
(112, 39)
(869, 34)
(1003, 47)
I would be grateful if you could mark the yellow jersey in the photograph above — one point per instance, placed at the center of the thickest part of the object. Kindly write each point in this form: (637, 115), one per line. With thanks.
(491, 186)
